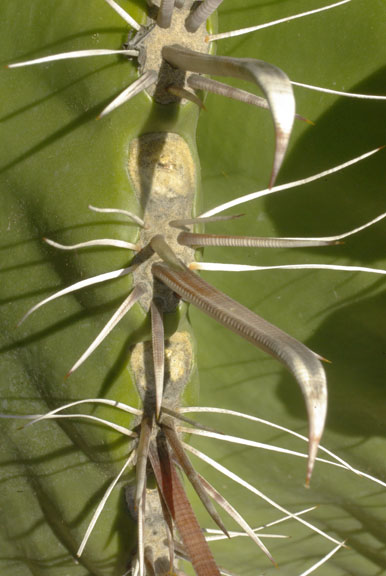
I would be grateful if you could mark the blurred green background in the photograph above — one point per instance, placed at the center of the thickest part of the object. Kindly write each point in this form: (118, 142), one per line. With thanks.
(56, 159)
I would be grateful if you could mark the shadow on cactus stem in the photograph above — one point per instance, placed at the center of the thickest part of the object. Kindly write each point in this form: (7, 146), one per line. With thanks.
(347, 128)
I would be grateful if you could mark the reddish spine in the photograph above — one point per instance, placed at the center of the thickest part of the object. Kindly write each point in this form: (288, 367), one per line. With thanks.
(181, 511)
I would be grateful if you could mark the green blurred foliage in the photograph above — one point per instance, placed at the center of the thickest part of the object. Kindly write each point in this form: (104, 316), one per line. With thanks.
(56, 159)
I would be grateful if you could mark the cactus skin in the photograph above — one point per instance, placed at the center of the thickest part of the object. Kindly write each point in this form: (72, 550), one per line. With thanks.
(58, 161)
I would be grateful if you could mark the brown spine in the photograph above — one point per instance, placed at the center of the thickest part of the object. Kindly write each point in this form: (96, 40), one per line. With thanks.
(181, 511)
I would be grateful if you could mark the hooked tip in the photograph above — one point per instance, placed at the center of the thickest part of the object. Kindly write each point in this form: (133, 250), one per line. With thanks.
(306, 120)
(323, 359)
(278, 160)
(280, 150)
(271, 558)
(312, 452)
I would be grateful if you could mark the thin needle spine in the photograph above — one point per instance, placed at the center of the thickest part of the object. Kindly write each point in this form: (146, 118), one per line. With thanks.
(92, 244)
(323, 560)
(129, 215)
(339, 92)
(254, 490)
(340, 462)
(72, 55)
(250, 29)
(79, 286)
(102, 503)
(217, 267)
(141, 84)
(289, 185)
(120, 313)
(236, 517)
(124, 15)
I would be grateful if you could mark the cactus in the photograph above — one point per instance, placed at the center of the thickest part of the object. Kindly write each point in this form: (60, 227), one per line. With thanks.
(57, 160)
